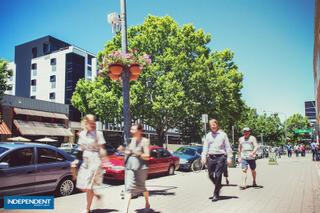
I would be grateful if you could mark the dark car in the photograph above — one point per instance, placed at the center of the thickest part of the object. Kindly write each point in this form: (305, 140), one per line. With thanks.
(188, 155)
(31, 168)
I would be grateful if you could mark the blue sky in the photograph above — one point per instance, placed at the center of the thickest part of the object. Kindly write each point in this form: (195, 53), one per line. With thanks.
(272, 39)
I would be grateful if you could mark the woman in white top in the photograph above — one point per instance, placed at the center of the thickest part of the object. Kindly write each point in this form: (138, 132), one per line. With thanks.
(91, 150)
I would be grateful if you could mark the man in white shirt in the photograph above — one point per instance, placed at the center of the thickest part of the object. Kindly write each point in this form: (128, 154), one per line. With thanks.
(216, 151)
(247, 156)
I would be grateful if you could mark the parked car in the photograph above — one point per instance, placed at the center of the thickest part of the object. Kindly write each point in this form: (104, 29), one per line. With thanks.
(259, 153)
(31, 168)
(160, 161)
(68, 147)
(188, 155)
(110, 150)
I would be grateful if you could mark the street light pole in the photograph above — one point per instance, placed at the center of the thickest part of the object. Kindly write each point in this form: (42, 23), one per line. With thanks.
(125, 75)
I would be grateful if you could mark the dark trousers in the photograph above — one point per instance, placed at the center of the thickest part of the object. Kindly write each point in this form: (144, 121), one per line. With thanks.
(314, 155)
(225, 170)
(216, 164)
(289, 153)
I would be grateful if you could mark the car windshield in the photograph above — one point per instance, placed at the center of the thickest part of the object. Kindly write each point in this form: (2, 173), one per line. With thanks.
(186, 151)
(2, 150)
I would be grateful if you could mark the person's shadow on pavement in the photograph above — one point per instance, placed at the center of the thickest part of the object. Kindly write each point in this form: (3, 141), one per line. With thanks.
(232, 185)
(255, 187)
(104, 210)
(226, 197)
(147, 211)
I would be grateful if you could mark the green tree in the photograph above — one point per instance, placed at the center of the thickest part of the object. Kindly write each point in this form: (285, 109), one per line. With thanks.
(94, 97)
(185, 79)
(294, 122)
(269, 126)
(4, 75)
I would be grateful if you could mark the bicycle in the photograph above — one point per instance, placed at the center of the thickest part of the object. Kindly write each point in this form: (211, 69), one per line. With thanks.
(197, 166)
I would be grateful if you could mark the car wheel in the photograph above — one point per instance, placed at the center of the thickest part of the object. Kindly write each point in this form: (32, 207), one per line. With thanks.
(196, 166)
(171, 170)
(65, 187)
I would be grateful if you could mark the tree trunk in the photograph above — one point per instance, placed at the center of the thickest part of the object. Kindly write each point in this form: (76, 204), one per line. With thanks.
(161, 137)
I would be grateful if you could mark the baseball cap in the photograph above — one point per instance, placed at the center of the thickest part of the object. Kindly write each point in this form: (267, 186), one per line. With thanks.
(246, 129)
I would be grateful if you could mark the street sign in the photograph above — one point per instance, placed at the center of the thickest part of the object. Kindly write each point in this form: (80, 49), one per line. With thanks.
(205, 118)
(303, 131)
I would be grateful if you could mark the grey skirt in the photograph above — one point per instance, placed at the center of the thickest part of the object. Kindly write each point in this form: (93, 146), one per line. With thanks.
(135, 181)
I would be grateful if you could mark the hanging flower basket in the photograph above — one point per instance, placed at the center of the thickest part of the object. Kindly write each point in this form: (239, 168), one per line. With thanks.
(134, 77)
(135, 69)
(116, 69)
(113, 77)
(116, 62)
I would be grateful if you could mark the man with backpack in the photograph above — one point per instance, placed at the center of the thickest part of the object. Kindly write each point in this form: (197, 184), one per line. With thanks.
(247, 156)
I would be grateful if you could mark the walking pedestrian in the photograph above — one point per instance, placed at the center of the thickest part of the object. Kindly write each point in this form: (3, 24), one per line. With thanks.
(313, 146)
(296, 150)
(302, 150)
(247, 148)
(91, 149)
(136, 168)
(289, 150)
(216, 151)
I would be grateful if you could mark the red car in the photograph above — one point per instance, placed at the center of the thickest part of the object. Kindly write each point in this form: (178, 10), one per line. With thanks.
(161, 161)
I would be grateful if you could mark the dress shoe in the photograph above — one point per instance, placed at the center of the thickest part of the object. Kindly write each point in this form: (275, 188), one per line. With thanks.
(215, 198)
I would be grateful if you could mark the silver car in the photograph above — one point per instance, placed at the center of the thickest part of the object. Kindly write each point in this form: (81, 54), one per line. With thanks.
(31, 168)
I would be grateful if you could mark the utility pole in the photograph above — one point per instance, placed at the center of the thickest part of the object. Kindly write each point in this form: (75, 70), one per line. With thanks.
(125, 75)
(261, 138)
(233, 136)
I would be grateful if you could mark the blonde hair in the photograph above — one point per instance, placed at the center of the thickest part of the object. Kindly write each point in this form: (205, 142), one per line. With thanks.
(212, 120)
(86, 119)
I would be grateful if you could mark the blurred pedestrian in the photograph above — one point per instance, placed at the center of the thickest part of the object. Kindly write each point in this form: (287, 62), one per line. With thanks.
(296, 150)
(136, 168)
(247, 148)
(289, 150)
(216, 151)
(303, 150)
(313, 146)
(91, 151)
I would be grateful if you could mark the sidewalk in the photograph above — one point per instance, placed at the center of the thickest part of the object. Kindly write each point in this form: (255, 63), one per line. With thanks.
(291, 186)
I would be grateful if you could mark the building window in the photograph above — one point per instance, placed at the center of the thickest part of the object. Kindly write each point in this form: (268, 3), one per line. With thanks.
(52, 96)
(53, 81)
(90, 59)
(53, 61)
(34, 69)
(33, 88)
(46, 48)
(33, 85)
(34, 52)
(33, 82)
(89, 71)
(33, 97)
(34, 72)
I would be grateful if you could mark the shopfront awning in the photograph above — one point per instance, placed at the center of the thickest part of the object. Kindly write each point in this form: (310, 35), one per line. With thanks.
(30, 112)
(41, 128)
(4, 130)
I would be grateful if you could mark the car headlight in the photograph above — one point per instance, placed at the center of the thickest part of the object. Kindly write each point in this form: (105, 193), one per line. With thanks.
(183, 161)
